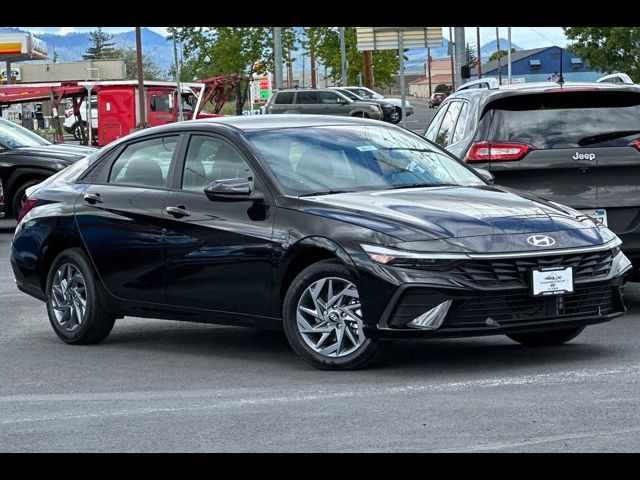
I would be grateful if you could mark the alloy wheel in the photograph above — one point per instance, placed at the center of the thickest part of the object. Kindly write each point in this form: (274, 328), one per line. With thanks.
(329, 317)
(69, 297)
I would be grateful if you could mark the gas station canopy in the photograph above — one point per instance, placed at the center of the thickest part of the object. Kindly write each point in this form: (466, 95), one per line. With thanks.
(19, 47)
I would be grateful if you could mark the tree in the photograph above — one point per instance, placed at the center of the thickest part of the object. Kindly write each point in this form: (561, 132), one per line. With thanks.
(289, 47)
(385, 62)
(470, 56)
(442, 88)
(211, 51)
(101, 46)
(501, 53)
(150, 70)
(310, 42)
(55, 57)
(608, 49)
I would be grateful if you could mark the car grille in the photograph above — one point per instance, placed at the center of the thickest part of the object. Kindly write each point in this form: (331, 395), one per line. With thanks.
(516, 272)
(503, 309)
(508, 309)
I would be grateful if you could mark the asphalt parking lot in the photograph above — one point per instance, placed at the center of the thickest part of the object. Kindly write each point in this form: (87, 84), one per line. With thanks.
(169, 386)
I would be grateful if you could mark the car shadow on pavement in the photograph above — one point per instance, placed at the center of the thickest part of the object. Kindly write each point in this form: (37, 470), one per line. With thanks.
(221, 343)
(7, 226)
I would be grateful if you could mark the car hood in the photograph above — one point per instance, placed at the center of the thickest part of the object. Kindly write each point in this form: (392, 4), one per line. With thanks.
(395, 101)
(66, 153)
(482, 218)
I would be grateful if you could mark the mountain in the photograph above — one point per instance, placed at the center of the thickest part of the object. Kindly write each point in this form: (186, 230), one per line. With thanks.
(71, 46)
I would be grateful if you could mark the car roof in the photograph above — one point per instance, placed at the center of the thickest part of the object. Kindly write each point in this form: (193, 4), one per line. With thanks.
(487, 95)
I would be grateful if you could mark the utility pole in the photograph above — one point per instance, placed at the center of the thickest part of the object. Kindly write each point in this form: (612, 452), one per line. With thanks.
(368, 68)
(403, 99)
(312, 60)
(277, 57)
(453, 71)
(509, 54)
(179, 87)
(498, 54)
(343, 58)
(479, 52)
(141, 96)
(460, 54)
(303, 79)
(429, 69)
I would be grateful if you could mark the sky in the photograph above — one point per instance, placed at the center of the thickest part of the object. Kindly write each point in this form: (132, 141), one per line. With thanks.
(524, 37)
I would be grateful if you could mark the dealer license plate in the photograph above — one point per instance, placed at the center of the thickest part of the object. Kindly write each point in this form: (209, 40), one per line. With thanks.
(597, 214)
(552, 281)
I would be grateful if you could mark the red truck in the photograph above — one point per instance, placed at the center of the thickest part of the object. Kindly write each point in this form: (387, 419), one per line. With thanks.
(117, 101)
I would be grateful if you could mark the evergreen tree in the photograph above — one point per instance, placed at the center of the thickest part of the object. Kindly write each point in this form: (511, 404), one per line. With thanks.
(101, 47)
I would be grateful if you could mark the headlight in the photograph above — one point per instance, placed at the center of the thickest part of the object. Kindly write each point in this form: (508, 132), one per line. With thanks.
(435, 254)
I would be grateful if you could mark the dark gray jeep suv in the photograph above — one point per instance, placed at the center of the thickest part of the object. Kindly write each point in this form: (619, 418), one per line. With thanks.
(320, 101)
(577, 144)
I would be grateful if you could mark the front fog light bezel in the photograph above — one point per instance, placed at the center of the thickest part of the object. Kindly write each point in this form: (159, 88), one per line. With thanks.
(431, 319)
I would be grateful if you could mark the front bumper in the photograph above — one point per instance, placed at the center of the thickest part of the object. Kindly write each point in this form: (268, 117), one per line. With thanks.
(477, 308)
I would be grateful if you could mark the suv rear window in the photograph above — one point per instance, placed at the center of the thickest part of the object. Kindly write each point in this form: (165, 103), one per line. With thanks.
(284, 97)
(564, 120)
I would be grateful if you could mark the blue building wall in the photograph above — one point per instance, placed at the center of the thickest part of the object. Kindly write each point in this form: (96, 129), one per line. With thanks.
(549, 63)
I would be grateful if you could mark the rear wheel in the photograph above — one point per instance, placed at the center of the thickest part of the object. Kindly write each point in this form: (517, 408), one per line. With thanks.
(323, 319)
(548, 338)
(73, 304)
(20, 195)
(396, 116)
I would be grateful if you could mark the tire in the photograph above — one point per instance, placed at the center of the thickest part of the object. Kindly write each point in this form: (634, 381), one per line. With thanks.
(348, 355)
(548, 338)
(77, 130)
(95, 324)
(19, 195)
(398, 116)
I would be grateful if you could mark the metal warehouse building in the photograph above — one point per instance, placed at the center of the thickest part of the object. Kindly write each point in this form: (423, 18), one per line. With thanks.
(538, 65)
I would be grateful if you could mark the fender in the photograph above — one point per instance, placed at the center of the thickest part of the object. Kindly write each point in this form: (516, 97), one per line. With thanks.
(14, 177)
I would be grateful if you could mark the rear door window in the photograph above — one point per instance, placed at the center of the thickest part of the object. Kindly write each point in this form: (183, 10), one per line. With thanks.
(307, 98)
(430, 134)
(458, 132)
(445, 132)
(565, 120)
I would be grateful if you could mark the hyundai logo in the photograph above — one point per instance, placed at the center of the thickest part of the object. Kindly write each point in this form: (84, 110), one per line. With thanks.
(541, 241)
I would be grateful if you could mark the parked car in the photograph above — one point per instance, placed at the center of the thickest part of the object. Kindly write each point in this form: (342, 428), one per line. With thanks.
(321, 101)
(578, 145)
(341, 231)
(436, 99)
(75, 127)
(487, 82)
(26, 159)
(389, 112)
(369, 94)
(616, 78)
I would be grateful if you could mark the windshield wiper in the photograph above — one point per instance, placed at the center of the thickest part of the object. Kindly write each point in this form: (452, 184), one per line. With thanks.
(421, 185)
(325, 192)
(606, 136)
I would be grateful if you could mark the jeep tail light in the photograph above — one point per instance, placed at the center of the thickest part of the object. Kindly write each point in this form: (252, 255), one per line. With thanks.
(29, 203)
(637, 144)
(496, 152)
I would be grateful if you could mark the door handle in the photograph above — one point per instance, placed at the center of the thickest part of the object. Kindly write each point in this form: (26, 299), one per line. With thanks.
(93, 198)
(178, 211)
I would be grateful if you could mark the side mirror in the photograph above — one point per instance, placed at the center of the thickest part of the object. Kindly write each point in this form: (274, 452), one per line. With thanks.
(485, 174)
(232, 189)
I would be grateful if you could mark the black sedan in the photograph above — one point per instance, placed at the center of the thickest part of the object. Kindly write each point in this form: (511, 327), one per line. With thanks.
(342, 231)
(25, 160)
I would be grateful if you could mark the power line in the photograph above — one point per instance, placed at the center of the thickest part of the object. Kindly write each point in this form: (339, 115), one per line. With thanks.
(541, 35)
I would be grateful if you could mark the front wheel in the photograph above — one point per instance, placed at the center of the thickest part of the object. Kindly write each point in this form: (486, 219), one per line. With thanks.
(323, 319)
(548, 338)
(75, 311)
(396, 116)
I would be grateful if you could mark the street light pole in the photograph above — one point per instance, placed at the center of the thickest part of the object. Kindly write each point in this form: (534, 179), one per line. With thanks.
(277, 56)
(479, 52)
(178, 85)
(498, 55)
(509, 55)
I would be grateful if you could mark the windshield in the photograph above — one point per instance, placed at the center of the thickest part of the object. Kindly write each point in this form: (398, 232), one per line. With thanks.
(566, 120)
(13, 135)
(350, 95)
(328, 159)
